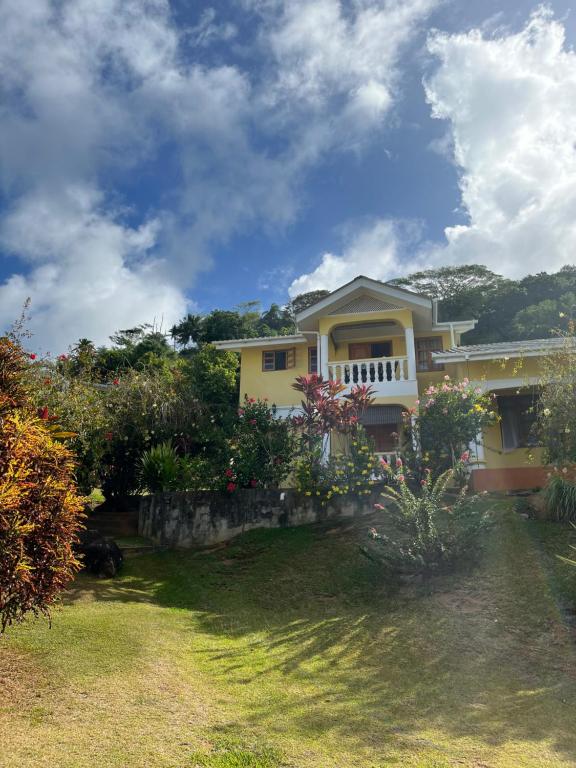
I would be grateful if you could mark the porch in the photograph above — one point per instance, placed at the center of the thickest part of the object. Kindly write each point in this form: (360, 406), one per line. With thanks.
(376, 354)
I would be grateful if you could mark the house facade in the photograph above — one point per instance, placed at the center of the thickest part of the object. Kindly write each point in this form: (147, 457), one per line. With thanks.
(368, 332)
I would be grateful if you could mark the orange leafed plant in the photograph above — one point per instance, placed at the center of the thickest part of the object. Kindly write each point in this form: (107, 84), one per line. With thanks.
(40, 509)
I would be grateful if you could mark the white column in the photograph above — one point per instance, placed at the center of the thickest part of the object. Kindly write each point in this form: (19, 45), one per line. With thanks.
(411, 352)
(324, 356)
(476, 449)
(325, 448)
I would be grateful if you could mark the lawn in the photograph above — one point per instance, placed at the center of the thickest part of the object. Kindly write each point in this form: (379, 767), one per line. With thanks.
(288, 648)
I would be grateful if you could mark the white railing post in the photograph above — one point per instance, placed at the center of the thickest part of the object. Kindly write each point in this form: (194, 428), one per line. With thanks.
(410, 352)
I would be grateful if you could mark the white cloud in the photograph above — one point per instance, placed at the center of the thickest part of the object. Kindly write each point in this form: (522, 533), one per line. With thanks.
(92, 90)
(376, 250)
(511, 103)
(90, 273)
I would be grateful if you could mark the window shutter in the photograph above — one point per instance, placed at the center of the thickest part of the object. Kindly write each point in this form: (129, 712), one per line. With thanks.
(268, 361)
(290, 358)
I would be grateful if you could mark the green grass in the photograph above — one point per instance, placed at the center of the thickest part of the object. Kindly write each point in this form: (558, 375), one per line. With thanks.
(289, 649)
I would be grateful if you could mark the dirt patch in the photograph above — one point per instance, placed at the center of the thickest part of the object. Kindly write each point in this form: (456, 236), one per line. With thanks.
(22, 680)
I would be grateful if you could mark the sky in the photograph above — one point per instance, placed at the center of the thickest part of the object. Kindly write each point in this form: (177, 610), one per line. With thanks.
(159, 157)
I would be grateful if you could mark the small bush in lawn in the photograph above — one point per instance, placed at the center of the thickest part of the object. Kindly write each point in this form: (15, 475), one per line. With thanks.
(560, 498)
(40, 510)
(434, 530)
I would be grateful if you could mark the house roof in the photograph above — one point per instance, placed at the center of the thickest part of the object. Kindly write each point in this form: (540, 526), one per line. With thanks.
(499, 350)
(260, 341)
(359, 282)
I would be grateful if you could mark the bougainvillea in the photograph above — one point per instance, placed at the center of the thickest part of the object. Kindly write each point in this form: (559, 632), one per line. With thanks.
(40, 510)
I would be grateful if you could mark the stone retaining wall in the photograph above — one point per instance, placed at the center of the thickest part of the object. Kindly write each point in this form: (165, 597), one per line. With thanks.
(201, 519)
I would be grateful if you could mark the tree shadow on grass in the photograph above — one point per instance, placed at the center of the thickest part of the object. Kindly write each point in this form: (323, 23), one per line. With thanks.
(305, 632)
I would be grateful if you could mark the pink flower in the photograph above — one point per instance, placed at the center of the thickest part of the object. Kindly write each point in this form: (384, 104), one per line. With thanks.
(384, 461)
(240, 412)
(423, 483)
(253, 421)
(62, 357)
(32, 356)
(231, 487)
(379, 506)
(401, 478)
(417, 402)
(465, 456)
(229, 473)
(398, 462)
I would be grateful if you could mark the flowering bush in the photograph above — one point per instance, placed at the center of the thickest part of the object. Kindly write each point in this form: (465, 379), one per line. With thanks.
(40, 510)
(450, 416)
(357, 471)
(324, 411)
(556, 415)
(261, 448)
(433, 530)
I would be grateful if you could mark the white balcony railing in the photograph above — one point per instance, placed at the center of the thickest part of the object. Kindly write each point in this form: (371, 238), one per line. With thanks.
(386, 375)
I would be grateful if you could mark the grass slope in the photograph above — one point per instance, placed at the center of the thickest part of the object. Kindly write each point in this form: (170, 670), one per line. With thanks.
(287, 648)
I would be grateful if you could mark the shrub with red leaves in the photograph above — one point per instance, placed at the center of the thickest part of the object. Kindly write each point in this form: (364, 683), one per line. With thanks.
(40, 510)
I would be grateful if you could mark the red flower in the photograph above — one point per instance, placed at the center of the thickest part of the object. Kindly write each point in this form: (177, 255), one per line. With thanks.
(116, 382)
(32, 356)
(47, 381)
(62, 357)
(398, 462)
(253, 421)
(465, 456)
(253, 483)
(43, 413)
(231, 487)
(229, 473)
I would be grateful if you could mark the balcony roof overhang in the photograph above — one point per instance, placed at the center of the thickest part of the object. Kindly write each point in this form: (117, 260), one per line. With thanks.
(236, 345)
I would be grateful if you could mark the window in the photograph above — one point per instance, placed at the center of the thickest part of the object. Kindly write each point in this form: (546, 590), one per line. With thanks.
(312, 360)
(369, 350)
(518, 414)
(424, 349)
(278, 359)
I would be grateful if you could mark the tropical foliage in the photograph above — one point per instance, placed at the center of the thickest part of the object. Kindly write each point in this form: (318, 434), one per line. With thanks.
(40, 510)
(450, 416)
(433, 524)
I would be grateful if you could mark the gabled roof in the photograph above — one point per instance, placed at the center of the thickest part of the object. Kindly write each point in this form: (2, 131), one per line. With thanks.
(499, 350)
(376, 287)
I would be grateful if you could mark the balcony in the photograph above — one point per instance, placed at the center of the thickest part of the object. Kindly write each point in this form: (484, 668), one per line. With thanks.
(388, 376)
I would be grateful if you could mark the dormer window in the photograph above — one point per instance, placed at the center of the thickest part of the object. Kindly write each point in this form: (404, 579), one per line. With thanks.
(278, 359)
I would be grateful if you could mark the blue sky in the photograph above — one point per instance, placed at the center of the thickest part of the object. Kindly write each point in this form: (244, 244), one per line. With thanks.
(161, 157)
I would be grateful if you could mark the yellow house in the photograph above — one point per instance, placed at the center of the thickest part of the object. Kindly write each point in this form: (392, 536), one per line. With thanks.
(368, 332)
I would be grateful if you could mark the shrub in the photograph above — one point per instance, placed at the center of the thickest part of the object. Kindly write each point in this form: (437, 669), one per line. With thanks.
(433, 533)
(40, 511)
(560, 499)
(161, 469)
(556, 414)
(450, 416)
(262, 448)
(357, 471)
